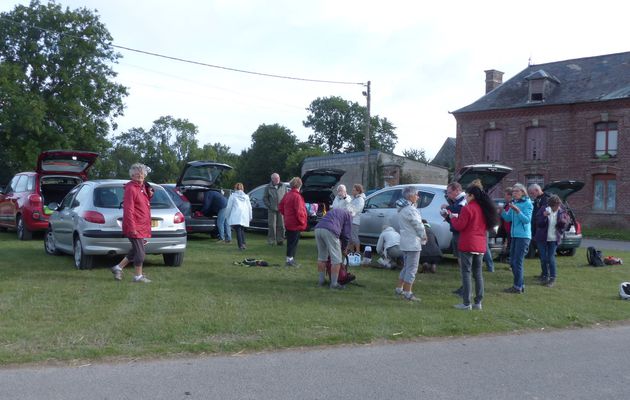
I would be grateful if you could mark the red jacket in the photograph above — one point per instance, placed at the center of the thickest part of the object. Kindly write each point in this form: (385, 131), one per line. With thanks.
(136, 211)
(472, 229)
(293, 209)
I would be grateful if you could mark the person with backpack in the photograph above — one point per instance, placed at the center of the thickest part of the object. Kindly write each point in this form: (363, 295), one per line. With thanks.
(520, 217)
(293, 210)
(473, 222)
(550, 225)
(412, 235)
(332, 233)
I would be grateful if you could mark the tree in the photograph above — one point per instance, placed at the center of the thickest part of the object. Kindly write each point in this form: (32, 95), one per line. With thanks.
(417, 155)
(166, 147)
(295, 159)
(382, 136)
(271, 144)
(55, 82)
(339, 126)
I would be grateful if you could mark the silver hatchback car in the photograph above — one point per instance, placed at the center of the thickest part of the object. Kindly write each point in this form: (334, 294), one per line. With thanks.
(88, 223)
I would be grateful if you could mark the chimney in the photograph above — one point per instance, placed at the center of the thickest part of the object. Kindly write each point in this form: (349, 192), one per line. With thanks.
(494, 79)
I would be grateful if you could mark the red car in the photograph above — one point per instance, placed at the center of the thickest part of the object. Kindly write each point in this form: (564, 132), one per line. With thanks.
(24, 201)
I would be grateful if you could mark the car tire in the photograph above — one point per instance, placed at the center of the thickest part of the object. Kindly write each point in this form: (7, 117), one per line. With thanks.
(22, 231)
(49, 244)
(173, 259)
(81, 260)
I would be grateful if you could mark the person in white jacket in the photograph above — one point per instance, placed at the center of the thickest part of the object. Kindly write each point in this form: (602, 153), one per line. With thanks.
(356, 207)
(388, 247)
(342, 200)
(412, 234)
(238, 213)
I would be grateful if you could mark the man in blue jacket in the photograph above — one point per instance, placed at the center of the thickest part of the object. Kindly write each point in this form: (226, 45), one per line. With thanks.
(214, 203)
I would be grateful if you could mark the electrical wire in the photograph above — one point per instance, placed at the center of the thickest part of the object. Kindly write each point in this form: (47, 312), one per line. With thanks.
(183, 60)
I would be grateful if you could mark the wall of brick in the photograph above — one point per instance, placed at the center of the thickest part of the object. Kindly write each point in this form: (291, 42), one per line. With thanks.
(569, 153)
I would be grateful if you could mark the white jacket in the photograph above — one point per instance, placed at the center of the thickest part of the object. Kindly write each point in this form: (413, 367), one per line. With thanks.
(341, 203)
(388, 238)
(239, 209)
(356, 207)
(411, 228)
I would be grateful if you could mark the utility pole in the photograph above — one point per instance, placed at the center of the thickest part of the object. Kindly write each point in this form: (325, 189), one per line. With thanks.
(366, 170)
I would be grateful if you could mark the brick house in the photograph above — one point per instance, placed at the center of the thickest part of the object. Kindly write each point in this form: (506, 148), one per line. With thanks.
(557, 121)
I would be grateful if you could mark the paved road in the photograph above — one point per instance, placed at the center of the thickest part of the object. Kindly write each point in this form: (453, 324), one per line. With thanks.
(606, 244)
(570, 364)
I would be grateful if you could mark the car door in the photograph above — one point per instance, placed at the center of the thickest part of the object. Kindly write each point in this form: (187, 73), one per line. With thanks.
(379, 208)
(259, 209)
(8, 201)
(63, 221)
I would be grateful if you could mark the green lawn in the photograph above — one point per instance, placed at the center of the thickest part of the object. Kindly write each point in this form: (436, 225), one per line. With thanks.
(51, 312)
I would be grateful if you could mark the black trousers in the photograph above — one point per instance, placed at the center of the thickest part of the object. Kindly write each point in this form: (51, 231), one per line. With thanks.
(293, 237)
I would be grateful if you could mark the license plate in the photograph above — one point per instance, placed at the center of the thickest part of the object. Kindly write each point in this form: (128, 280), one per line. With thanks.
(154, 223)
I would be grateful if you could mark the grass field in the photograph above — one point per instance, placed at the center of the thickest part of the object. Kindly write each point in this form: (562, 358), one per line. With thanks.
(51, 312)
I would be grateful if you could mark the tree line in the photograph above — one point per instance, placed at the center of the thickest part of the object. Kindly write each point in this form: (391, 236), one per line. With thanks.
(57, 91)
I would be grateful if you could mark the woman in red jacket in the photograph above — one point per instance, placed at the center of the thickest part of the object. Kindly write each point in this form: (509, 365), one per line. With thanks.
(293, 210)
(136, 224)
(474, 220)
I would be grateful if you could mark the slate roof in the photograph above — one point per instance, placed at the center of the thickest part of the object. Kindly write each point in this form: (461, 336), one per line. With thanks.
(581, 80)
(446, 156)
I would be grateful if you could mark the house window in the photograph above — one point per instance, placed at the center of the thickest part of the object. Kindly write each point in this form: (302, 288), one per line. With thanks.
(493, 145)
(537, 179)
(606, 139)
(535, 146)
(536, 90)
(605, 192)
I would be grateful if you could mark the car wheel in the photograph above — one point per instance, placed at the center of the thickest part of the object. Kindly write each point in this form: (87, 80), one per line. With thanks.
(81, 260)
(22, 231)
(173, 259)
(49, 243)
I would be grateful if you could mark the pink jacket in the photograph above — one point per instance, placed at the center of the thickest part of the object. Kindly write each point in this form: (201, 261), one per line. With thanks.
(136, 211)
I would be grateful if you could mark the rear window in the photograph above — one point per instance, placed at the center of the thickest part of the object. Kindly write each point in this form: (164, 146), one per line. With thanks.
(321, 180)
(201, 175)
(112, 197)
(64, 165)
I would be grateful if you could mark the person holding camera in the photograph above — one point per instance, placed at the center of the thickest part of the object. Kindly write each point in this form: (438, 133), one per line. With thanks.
(551, 222)
(520, 217)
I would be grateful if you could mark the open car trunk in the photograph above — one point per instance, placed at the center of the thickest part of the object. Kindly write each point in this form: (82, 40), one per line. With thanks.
(55, 188)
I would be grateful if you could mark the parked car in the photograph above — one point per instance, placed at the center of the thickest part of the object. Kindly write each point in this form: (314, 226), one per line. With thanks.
(196, 179)
(572, 237)
(88, 223)
(317, 188)
(24, 202)
(380, 207)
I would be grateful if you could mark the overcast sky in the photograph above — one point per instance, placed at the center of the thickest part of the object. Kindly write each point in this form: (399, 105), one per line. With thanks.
(424, 59)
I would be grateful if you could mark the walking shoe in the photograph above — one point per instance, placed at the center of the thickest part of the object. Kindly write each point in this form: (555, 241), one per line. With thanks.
(337, 287)
(411, 297)
(141, 279)
(463, 306)
(476, 306)
(117, 273)
(550, 282)
(292, 263)
(514, 290)
(542, 278)
(398, 291)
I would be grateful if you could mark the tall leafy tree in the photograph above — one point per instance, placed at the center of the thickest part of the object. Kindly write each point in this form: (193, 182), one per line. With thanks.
(56, 82)
(296, 159)
(339, 126)
(271, 145)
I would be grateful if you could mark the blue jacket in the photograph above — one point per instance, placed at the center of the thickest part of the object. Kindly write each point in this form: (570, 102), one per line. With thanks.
(521, 221)
(213, 201)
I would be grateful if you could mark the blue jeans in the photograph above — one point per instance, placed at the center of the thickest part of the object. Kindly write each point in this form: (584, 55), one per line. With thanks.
(471, 263)
(518, 250)
(225, 232)
(547, 252)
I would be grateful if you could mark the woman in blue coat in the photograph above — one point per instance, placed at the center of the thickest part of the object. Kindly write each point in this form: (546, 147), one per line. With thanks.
(520, 216)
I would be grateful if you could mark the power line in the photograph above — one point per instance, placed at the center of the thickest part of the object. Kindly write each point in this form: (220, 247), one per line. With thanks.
(192, 61)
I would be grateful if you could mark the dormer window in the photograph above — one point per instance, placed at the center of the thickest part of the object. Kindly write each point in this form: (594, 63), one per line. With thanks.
(541, 84)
